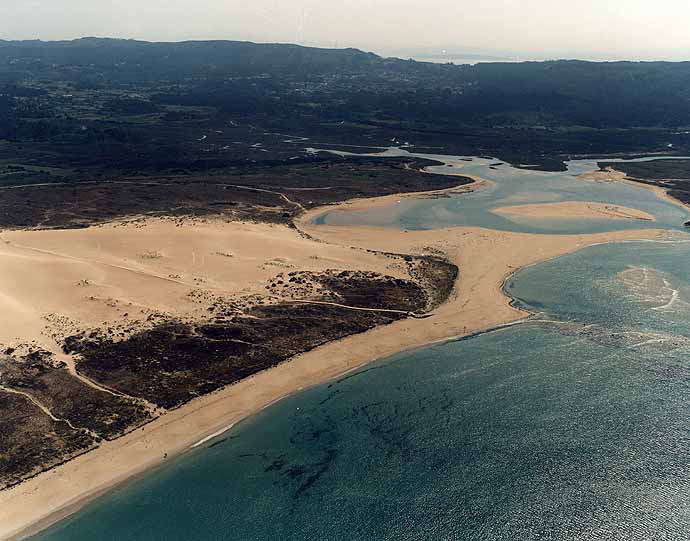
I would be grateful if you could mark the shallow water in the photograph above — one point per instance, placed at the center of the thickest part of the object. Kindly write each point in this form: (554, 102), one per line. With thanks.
(572, 426)
(512, 186)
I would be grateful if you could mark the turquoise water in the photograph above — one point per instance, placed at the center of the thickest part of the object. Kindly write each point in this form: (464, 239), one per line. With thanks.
(572, 426)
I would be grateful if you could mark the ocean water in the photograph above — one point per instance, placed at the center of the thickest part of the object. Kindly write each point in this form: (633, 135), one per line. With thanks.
(574, 425)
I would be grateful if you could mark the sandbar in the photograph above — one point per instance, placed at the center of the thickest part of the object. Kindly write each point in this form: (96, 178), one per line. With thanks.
(578, 210)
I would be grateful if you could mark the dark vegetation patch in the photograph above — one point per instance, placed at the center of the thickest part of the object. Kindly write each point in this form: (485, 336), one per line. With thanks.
(69, 206)
(237, 194)
(332, 181)
(432, 284)
(436, 275)
(654, 170)
(176, 362)
(432, 272)
(31, 442)
(66, 397)
(353, 288)
(359, 289)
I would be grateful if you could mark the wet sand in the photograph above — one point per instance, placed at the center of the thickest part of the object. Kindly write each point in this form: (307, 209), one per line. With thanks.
(574, 210)
(485, 257)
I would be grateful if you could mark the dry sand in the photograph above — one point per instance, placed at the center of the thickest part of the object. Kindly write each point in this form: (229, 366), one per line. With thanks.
(94, 276)
(135, 265)
(570, 210)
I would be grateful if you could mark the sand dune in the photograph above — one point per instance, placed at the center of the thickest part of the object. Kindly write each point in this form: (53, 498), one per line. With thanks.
(94, 276)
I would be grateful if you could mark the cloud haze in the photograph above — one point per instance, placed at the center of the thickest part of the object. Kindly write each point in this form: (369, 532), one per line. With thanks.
(618, 28)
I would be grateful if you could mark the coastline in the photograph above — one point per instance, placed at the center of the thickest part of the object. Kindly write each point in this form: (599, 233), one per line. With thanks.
(367, 203)
(661, 193)
(477, 304)
(612, 174)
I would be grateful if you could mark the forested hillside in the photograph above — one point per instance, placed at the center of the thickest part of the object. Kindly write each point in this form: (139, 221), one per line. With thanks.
(165, 105)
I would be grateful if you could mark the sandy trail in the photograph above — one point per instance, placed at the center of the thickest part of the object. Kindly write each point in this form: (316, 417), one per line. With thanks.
(46, 410)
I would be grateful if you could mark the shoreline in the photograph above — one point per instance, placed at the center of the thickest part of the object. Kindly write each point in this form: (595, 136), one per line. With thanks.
(661, 193)
(612, 174)
(367, 203)
(476, 305)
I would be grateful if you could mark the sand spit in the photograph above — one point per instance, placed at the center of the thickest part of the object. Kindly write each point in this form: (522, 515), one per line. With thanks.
(613, 175)
(485, 259)
(577, 210)
(606, 175)
(365, 203)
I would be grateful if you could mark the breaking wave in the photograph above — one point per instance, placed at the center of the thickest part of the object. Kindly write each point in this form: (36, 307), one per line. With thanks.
(649, 287)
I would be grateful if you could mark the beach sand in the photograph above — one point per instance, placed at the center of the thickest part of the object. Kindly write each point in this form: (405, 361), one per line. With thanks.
(136, 266)
(574, 210)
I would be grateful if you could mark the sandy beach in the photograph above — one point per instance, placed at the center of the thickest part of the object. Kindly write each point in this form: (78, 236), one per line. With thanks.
(129, 267)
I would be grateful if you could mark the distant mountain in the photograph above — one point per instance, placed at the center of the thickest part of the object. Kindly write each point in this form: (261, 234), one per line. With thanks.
(306, 84)
(145, 60)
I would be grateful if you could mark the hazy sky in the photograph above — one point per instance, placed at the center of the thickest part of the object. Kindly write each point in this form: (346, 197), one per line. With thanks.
(615, 28)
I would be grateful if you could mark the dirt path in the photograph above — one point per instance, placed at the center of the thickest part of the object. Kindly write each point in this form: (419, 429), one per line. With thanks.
(262, 190)
(49, 413)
